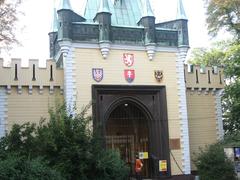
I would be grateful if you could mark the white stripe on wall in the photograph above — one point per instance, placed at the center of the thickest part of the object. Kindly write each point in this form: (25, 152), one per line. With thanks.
(3, 111)
(183, 110)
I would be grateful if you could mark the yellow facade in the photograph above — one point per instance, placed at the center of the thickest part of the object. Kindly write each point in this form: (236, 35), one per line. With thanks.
(28, 100)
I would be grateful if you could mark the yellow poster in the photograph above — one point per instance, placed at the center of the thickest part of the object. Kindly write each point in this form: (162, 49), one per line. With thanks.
(163, 165)
(143, 155)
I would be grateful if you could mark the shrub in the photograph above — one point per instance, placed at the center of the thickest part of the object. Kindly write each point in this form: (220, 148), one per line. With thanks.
(212, 164)
(18, 167)
(68, 145)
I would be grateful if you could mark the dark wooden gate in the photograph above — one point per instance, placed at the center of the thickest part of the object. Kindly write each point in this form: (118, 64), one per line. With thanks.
(133, 119)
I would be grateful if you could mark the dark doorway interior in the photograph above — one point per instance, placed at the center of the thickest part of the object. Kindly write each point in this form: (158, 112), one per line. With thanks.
(127, 132)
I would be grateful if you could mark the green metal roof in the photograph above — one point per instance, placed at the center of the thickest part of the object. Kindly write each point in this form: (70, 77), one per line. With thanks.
(124, 12)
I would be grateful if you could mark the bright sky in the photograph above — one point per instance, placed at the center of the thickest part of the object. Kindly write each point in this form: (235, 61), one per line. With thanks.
(38, 17)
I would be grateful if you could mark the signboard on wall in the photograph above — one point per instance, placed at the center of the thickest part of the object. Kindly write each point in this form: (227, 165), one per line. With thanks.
(143, 155)
(163, 165)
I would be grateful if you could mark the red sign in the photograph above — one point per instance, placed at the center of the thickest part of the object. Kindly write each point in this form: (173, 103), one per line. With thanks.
(128, 59)
(129, 75)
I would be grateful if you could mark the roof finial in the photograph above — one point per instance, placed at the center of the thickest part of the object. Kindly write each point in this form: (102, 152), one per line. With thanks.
(147, 9)
(64, 4)
(103, 7)
(54, 25)
(180, 10)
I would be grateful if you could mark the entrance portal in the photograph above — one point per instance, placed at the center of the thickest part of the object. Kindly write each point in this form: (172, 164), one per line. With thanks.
(134, 119)
(127, 132)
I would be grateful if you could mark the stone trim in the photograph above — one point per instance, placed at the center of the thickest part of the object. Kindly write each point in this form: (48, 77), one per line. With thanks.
(69, 75)
(182, 53)
(3, 111)
(123, 47)
(219, 120)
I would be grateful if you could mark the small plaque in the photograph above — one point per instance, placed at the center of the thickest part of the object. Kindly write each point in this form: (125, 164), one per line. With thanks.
(163, 165)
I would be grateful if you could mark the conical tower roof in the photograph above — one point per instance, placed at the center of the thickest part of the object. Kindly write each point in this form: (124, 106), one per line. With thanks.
(180, 10)
(64, 4)
(103, 7)
(54, 25)
(147, 9)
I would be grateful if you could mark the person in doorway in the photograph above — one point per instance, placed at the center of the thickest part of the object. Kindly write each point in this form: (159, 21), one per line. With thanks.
(138, 167)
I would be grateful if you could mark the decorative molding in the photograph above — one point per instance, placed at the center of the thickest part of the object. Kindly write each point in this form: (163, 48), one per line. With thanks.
(214, 91)
(51, 89)
(124, 47)
(64, 47)
(151, 49)
(182, 53)
(105, 48)
(61, 89)
(40, 89)
(8, 89)
(30, 88)
(3, 111)
(19, 89)
(199, 91)
(69, 81)
(219, 121)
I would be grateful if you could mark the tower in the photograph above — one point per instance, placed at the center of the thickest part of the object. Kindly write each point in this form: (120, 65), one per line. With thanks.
(148, 22)
(103, 17)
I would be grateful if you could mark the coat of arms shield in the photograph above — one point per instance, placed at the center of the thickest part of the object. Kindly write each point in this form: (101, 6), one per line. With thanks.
(129, 75)
(158, 75)
(128, 59)
(97, 74)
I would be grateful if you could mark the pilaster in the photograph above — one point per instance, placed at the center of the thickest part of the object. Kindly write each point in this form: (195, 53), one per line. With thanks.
(3, 111)
(69, 75)
(182, 53)
(219, 123)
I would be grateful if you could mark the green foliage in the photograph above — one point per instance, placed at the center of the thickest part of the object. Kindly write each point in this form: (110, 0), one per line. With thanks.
(202, 56)
(223, 14)
(68, 145)
(212, 164)
(226, 54)
(14, 166)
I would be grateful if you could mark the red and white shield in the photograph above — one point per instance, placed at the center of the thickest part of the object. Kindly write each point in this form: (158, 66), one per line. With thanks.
(129, 75)
(128, 59)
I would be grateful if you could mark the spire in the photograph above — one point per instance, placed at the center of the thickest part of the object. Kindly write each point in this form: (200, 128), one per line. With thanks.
(147, 9)
(180, 10)
(54, 26)
(64, 4)
(103, 7)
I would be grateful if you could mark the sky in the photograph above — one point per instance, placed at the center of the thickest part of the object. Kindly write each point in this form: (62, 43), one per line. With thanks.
(35, 24)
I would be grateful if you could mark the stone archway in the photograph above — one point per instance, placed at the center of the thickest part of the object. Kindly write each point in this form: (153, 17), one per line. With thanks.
(151, 102)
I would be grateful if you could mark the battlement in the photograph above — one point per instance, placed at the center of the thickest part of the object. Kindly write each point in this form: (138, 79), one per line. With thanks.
(33, 75)
(201, 77)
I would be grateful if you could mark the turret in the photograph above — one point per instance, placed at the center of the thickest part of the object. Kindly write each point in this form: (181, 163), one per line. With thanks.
(65, 18)
(103, 17)
(148, 22)
(53, 34)
(182, 25)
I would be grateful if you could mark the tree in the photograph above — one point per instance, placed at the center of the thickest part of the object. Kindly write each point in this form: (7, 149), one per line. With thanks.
(212, 163)
(223, 14)
(8, 19)
(225, 54)
(68, 145)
